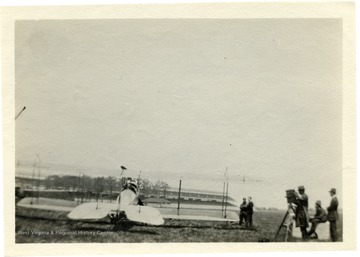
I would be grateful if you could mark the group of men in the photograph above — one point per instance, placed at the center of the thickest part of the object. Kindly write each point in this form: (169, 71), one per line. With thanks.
(246, 212)
(302, 218)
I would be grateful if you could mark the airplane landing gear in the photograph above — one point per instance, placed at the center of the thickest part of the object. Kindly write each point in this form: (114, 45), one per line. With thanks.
(120, 221)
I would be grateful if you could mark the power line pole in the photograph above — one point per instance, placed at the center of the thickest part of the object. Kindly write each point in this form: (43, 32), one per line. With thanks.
(79, 194)
(82, 188)
(178, 208)
(227, 190)
(226, 199)
(39, 173)
(33, 185)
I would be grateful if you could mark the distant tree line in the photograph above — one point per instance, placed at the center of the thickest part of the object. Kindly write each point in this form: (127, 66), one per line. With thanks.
(102, 184)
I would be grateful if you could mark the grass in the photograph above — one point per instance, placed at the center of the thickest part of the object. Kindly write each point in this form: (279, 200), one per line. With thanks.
(40, 226)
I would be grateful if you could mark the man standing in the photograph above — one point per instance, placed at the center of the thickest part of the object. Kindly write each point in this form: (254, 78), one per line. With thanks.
(333, 215)
(250, 211)
(320, 217)
(301, 213)
(243, 212)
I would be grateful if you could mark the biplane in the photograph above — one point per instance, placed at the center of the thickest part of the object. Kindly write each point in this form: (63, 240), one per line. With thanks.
(127, 211)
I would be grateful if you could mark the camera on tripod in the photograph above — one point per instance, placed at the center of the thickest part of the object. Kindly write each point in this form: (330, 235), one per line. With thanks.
(291, 196)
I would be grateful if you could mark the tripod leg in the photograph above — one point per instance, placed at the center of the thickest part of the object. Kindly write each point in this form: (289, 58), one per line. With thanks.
(277, 233)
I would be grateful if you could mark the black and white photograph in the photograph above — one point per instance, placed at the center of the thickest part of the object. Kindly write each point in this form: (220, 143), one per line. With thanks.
(179, 130)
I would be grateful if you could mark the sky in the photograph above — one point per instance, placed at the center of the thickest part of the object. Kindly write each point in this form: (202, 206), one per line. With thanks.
(184, 99)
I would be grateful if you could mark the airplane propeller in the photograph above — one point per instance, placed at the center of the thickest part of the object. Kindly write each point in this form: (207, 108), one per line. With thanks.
(122, 169)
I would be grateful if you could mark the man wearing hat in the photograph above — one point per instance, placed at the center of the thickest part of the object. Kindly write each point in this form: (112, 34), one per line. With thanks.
(333, 215)
(250, 211)
(301, 212)
(320, 217)
(243, 212)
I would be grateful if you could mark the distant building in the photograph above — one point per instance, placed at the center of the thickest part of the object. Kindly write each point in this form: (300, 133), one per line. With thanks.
(193, 195)
(28, 182)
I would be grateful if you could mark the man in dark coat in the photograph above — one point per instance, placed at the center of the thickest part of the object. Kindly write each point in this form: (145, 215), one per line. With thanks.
(333, 215)
(320, 217)
(301, 213)
(250, 212)
(243, 212)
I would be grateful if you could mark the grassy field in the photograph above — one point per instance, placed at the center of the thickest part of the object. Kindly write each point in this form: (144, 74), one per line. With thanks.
(39, 226)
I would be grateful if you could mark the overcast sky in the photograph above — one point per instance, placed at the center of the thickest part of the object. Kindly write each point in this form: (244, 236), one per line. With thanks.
(187, 98)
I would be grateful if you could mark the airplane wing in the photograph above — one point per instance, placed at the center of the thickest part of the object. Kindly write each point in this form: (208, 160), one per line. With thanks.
(92, 211)
(136, 213)
(144, 214)
(47, 204)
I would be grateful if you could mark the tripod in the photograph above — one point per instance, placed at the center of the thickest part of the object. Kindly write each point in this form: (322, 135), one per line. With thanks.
(287, 222)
